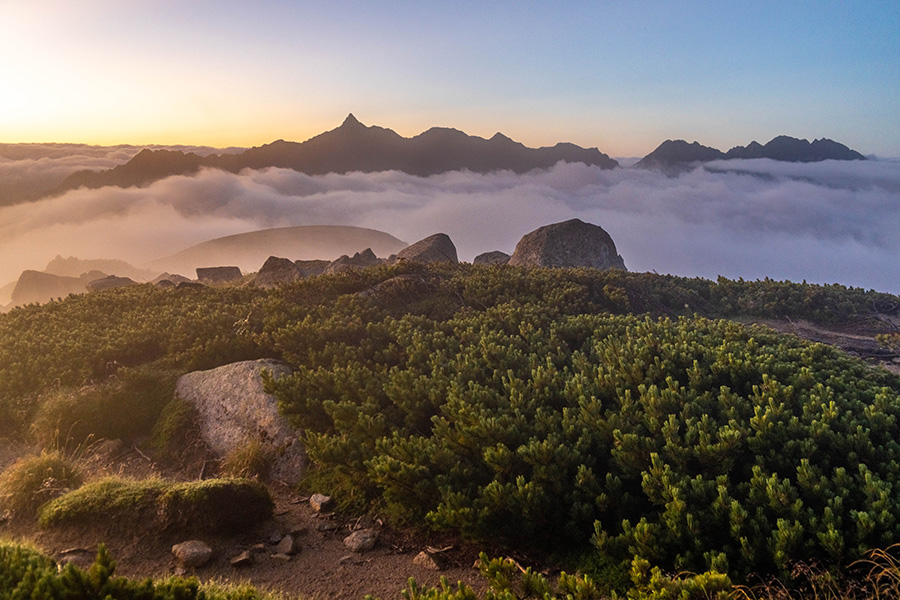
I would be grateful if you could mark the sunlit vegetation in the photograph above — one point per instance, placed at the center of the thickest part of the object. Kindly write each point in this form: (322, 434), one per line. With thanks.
(617, 418)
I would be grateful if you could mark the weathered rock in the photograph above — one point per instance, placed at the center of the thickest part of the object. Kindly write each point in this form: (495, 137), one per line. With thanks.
(37, 286)
(572, 243)
(169, 279)
(362, 540)
(233, 408)
(218, 274)
(436, 248)
(287, 545)
(360, 260)
(192, 554)
(108, 283)
(321, 502)
(312, 267)
(282, 557)
(491, 258)
(276, 271)
(79, 557)
(258, 548)
(429, 561)
(244, 559)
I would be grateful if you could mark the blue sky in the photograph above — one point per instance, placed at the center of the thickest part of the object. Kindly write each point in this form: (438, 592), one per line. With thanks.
(620, 76)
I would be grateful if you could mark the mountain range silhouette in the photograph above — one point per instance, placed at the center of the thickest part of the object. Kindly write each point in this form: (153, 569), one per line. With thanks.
(351, 147)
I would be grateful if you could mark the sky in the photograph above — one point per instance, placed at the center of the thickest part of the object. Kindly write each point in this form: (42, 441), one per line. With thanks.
(621, 76)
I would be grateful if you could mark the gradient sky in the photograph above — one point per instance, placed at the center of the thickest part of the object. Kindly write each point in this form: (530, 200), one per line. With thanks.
(622, 76)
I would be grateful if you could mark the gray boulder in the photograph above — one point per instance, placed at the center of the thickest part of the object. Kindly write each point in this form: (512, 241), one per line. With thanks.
(435, 248)
(361, 540)
(38, 286)
(218, 274)
(571, 243)
(169, 280)
(108, 283)
(276, 271)
(233, 409)
(491, 258)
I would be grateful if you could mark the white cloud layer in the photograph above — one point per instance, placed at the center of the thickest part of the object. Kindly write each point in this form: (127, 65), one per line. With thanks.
(824, 222)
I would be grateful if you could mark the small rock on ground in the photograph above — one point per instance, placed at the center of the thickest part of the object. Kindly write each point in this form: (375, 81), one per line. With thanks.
(321, 502)
(362, 540)
(192, 553)
(287, 545)
(428, 561)
(244, 559)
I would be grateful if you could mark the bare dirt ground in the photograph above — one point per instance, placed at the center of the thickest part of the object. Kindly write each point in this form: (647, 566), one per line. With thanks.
(321, 568)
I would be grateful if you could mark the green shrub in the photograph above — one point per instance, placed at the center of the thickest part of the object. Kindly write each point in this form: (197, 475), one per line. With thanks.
(209, 505)
(124, 407)
(33, 480)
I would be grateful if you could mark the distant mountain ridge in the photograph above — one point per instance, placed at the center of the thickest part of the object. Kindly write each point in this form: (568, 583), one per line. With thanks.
(676, 155)
(351, 147)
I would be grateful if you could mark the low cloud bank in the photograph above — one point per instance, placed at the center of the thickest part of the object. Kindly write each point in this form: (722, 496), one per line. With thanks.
(824, 222)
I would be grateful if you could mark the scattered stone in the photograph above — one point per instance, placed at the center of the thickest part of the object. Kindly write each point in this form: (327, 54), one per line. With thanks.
(276, 271)
(323, 527)
(362, 540)
(233, 407)
(258, 548)
(108, 283)
(436, 248)
(321, 502)
(287, 545)
(429, 561)
(275, 537)
(218, 274)
(192, 554)
(244, 559)
(282, 557)
(491, 258)
(572, 243)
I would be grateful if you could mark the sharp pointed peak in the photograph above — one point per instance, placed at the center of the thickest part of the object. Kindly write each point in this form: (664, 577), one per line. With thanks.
(351, 121)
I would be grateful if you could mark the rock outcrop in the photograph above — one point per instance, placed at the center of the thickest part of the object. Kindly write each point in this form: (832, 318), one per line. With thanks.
(37, 286)
(312, 267)
(491, 258)
(435, 248)
(276, 271)
(234, 409)
(572, 243)
(218, 274)
(108, 283)
(360, 260)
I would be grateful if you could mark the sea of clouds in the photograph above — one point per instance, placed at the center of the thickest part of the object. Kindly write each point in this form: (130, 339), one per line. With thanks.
(821, 222)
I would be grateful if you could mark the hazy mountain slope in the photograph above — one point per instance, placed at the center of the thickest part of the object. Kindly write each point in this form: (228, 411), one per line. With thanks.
(250, 250)
(351, 147)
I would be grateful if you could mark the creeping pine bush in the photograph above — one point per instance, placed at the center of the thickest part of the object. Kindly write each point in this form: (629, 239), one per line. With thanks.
(34, 480)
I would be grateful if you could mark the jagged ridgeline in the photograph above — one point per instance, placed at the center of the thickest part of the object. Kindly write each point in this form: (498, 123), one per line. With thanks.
(538, 408)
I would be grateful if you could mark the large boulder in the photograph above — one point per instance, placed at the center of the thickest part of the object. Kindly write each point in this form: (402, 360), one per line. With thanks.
(276, 271)
(572, 243)
(109, 282)
(491, 258)
(218, 274)
(436, 248)
(234, 409)
(38, 286)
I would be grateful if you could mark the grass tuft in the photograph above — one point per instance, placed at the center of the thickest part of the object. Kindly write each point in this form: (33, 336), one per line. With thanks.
(34, 480)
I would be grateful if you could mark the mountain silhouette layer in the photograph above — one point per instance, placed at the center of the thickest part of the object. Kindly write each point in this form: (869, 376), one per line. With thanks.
(351, 147)
(673, 156)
